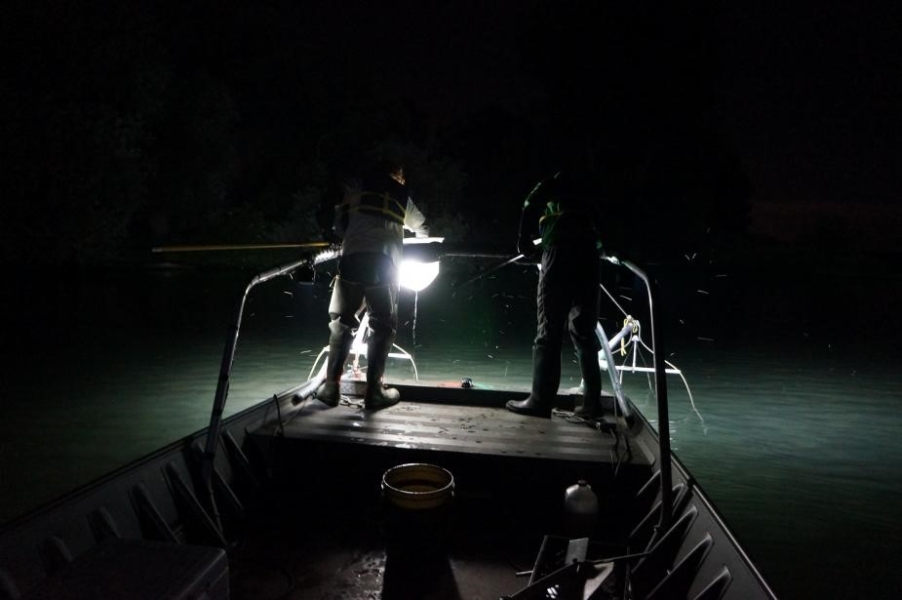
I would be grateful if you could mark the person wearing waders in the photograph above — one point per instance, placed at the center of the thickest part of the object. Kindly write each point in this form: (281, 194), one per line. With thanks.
(567, 222)
(370, 221)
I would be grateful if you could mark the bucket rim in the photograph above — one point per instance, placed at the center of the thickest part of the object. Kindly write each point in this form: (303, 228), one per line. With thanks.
(443, 478)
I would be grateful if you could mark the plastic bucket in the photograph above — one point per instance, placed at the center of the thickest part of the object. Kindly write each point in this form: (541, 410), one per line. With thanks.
(418, 500)
(417, 486)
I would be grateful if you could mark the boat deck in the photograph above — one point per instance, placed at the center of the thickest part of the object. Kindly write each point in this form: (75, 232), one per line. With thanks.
(482, 428)
(510, 472)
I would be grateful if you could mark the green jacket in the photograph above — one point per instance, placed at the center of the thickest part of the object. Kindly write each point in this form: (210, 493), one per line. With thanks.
(559, 216)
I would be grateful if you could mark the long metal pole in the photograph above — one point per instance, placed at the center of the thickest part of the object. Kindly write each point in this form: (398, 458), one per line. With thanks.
(492, 270)
(215, 247)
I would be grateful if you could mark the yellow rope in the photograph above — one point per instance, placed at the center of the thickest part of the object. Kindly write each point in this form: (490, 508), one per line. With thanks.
(635, 329)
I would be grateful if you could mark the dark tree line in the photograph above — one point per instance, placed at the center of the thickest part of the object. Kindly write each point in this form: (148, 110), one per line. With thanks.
(128, 124)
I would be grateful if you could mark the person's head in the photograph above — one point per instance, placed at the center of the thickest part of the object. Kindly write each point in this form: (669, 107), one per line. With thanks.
(387, 167)
(558, 186)
(397, 173)
(568, 183)
(384, 175)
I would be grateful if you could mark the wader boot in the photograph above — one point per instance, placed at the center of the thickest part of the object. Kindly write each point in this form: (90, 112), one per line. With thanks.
(546, 376)
(329, 392)
(377, 395)
(591, 373)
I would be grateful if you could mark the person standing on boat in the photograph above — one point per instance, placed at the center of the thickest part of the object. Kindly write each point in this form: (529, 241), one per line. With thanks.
(370, 221)
(567, 222)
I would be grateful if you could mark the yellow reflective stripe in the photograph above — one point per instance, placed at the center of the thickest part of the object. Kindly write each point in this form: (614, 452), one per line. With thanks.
(552, 211)
(389, 207)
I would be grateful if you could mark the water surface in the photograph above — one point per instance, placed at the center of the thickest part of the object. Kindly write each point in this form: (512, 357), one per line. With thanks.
(792, 426)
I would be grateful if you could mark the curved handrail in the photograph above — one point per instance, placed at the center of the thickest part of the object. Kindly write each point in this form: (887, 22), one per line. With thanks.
(225, 371)
(657, 345)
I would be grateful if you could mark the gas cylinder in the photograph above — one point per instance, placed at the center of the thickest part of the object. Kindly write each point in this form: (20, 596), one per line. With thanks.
(580, 510)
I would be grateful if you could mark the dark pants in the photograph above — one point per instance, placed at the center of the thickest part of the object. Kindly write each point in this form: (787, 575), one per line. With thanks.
(567, 298)
(364, 280)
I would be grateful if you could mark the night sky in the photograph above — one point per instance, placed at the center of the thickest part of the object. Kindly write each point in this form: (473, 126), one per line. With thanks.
(127, 125)
(810, 94)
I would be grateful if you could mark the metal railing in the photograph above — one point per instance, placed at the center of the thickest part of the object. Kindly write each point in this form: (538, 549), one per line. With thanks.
(225, 371)
(660, 376)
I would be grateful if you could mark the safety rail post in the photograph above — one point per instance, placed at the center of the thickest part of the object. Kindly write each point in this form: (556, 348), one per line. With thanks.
(661, 395)
(225, 374)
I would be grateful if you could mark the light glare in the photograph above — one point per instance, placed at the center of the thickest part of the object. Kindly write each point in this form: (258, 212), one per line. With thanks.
(416, 275)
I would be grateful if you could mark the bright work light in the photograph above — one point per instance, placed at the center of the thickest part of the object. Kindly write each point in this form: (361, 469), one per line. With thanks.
(416, 275)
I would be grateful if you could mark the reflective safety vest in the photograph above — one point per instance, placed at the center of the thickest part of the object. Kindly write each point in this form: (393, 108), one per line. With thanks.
(560, 223)
(385, 206)
(547, 221)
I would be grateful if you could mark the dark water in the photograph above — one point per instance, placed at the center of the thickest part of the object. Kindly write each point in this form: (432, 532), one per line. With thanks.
(793, 424)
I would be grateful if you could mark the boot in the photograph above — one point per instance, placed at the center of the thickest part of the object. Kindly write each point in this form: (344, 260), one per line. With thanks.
(588, 366)
(377, 395)
(546, 376)
(590, 409)
(532, 406)
(329, 393)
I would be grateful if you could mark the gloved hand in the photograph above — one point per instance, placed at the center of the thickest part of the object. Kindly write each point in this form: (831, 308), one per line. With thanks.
(527, 248)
